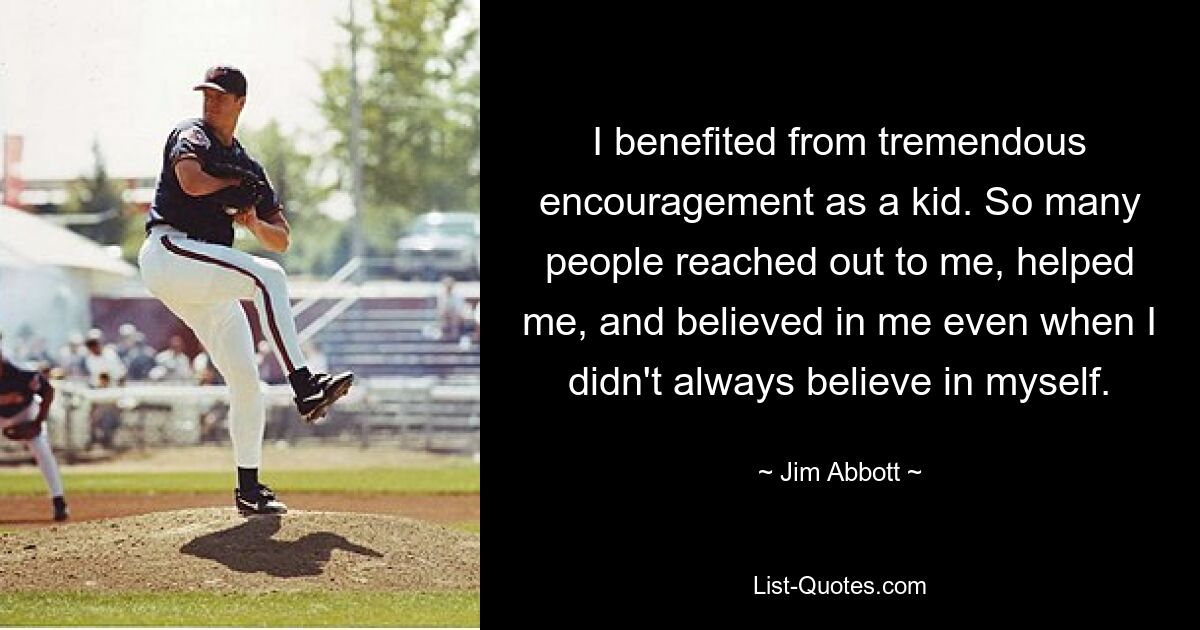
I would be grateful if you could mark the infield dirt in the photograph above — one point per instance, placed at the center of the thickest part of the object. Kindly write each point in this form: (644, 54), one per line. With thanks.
(215, 549)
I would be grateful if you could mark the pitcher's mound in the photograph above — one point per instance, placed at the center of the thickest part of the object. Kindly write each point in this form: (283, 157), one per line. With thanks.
(217, 549)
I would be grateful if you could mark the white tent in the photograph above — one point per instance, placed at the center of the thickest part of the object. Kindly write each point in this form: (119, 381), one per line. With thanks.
(47, 276)
(28, 238)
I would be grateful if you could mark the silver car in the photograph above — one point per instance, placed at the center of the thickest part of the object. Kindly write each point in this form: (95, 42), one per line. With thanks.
(438, 244)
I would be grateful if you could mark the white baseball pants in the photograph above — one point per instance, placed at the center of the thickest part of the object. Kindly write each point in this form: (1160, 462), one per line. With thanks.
(202, 284)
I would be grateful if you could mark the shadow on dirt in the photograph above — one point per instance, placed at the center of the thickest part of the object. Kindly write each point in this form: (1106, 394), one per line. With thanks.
(249, 548)
(28, 521)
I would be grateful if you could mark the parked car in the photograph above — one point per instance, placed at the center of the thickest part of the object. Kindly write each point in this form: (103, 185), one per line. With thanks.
(437, 244)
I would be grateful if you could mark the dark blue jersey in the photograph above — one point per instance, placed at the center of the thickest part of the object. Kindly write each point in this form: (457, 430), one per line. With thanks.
(17, 388)
(203, 217)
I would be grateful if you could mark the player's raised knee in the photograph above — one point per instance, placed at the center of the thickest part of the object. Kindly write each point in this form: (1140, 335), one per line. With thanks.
(271, 271)
(270, 266)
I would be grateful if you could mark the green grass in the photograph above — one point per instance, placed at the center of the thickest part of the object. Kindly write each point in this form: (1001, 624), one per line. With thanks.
(457, 480)
(450, 608)
(467, 526)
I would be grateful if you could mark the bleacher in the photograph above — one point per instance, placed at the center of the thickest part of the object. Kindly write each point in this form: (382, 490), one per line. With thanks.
(390, 337)
(423, 391)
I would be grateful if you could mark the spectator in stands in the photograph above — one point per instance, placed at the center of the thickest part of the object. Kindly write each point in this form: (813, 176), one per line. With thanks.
(104, 419)
(135, 353)
(140, 360)
(450, 307)
(104, 369)
(126, 339)
(71, 358)
(102, 359)
(173, 364)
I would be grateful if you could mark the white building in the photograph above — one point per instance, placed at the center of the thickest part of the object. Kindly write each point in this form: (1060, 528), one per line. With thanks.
(48, 275)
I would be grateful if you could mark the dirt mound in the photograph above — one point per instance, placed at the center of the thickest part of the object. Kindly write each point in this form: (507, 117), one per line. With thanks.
(215, 549)
(35, 511)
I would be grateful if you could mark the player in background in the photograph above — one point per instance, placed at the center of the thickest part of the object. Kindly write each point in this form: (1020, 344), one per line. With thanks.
(25, 399)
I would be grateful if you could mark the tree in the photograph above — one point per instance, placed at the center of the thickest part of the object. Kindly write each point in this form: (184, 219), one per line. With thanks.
(316, 237)
(420, 114)
(100, 197)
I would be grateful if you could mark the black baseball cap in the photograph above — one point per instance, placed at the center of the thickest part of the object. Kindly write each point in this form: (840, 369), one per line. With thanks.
(225, 79)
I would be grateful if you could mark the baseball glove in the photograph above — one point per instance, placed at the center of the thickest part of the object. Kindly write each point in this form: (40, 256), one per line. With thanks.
(238, 198)
(231, 171)
(23, 431)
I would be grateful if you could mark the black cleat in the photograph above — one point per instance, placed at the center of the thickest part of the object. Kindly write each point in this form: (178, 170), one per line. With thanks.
(61, 513)
(266, 492)
(262, 502)
(321, 390)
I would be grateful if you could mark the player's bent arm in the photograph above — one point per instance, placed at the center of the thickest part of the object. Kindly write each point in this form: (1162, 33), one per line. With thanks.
(195, 182)
(274, 232)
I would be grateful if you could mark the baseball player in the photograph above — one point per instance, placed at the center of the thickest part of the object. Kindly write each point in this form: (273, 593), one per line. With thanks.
(25, 399)
(207, 184)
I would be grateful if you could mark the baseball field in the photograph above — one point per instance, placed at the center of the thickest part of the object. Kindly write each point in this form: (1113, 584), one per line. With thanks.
(374, 537)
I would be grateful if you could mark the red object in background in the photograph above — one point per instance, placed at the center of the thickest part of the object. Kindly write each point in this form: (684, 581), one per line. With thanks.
(13, 185)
